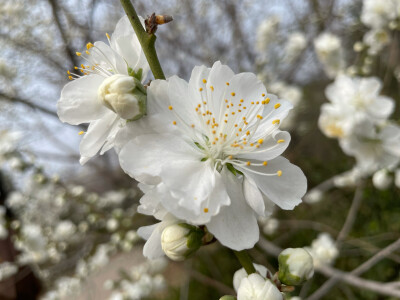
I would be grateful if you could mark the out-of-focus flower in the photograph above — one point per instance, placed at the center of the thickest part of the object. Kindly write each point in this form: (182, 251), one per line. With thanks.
(376, 40)
(268, 225)
(3, 228)
(323, 250)
(378, 14)
(382, 180)
(7, 270)
(266, 33)
(330, 53)
(296, 43)
(110, 91)
(215, 160)
(295, 266)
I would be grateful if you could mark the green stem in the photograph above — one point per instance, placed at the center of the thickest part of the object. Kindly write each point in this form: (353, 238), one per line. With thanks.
(245, 261)
(147, 41)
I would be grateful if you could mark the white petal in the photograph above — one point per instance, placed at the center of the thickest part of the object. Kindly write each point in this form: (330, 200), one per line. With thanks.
(382, 107)
(108, 58)
(236, 225)
(79, 103)
(97, 134)
(253, 196)
(144, 157)
(285, 190)
(270, 148)
(241, 274)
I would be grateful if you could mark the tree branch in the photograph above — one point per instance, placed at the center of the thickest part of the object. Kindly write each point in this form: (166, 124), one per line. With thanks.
(28, 103)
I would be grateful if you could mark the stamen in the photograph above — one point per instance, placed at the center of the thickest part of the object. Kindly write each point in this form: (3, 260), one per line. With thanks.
(81, 132)
(280, 141)
(170, 107)
(279, 173)
(276, 106)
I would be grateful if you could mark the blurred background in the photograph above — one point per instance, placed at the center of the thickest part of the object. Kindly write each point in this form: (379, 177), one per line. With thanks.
(70, 230)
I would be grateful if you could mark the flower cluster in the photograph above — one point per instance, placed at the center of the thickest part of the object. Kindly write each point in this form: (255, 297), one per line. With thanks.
(357, 116)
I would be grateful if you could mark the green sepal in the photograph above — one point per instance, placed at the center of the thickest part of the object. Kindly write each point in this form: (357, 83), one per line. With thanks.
(233, 170)
(284, 274)
(204, 159)
(138, 75)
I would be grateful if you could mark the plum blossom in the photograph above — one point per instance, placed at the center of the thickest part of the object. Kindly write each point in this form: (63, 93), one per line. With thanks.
(323, 250)
(109, 93)
(330, 53)
(256, 287)
(215, 157)
(378, 14)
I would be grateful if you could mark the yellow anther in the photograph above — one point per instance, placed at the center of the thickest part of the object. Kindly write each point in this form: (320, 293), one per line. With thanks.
(267, 100)
(87, 52)
(244, 142)
(68, 72)
(244, 118)
(279, 173)
(81, 132)
(233, 113)
(227, 83)
(236, 125)
(214, 132)
(240, 129)
(213, 143)
(82, 66)
(192, 125)
(227, 106)
(170, 107)
(197, 109)
(248, 163)
(230, 156)
(212, 88)
(205, 210)
(70, 77)
(76, 68)
(89, 45)
(241, 100)
(262, 95)
(257, 146)
(174, 122)
(244, 107)
(239, 110)
(78, 53)
(107, 35)
(226, 100)
(208, 122)
(204, 102)
(277, 121)
(226, 115)
(251, 144)
(240, 104)
(280, 141)
(258, 102)
(259, 117)
(204, 81)
(226, 121)
(276, 106)
(265, 163)
(200, 89)
(252, 102)
(199, 105)
(233, 94)
(248, 132)
(260, 141)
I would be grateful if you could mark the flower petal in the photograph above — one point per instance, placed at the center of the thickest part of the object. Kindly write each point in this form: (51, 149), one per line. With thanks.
(285, 190)
(97, 135)
(253, 196)
(79, 103)
(236, 225)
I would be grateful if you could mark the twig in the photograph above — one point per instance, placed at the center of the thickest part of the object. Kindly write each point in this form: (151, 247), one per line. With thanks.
(147, 41)
(349, 278)
(245, 261)
(27, 103)
(351, 216)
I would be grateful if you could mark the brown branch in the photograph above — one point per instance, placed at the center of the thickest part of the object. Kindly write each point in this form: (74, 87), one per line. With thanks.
(28, 103)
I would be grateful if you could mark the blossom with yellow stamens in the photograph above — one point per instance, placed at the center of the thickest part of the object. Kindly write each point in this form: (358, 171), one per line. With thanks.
(215, 173)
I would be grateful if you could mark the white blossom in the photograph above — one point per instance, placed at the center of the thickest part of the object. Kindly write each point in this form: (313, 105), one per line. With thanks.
(376, 40)
(241, 274)
(109, 92)
(378, 14)
(323, 250)
(295, 44)
(382, 180)
(266, 33)
(295, 266)
(7, 269)
(330, 53)
(215, 159)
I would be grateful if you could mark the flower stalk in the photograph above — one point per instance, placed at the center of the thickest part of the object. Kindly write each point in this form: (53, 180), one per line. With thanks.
(245, 261)
(147, 41)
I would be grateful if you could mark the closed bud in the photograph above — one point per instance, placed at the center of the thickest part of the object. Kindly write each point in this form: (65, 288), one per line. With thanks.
(295, 266)
(256, 287)
(124, 95)
(228, 297)
(178, 241)
(381, 179)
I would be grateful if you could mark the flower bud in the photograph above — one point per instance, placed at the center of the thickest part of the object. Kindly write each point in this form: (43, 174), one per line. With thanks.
(295, 266)
(178, 241)
(256, 287)
(124, 95)
(381, 179)
(228, 297)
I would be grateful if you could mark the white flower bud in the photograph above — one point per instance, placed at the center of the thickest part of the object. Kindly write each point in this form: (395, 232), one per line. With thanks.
(178, 241)
(295, 266)
(241, 274)
(256, 287)
(228, 297)
(124, 95)
(381, 179)
(397, 178)
(64, 230)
